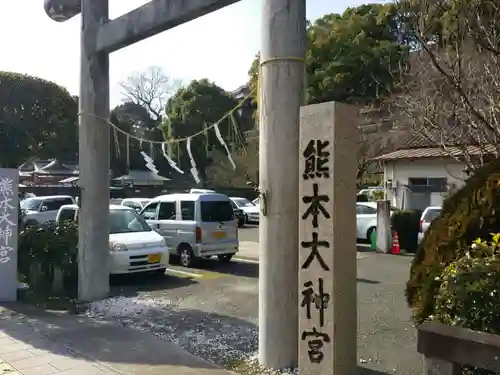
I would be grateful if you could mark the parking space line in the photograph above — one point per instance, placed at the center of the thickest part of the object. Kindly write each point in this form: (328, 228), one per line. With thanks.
(192, 274)
(245, 260)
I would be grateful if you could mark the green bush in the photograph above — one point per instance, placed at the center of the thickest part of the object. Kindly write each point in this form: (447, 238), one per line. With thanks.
(43, 249)
(472, 212)
(406, 224)
(469, 291)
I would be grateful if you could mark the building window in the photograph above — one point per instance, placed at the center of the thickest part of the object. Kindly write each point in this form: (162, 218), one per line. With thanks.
(426, 181)
(416, 181)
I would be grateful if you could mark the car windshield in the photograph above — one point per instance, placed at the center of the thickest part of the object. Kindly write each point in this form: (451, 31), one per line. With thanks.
(31, 204)
(126, 221)
(242, 202)
(145, 202)
(216, 211)
(431, 214)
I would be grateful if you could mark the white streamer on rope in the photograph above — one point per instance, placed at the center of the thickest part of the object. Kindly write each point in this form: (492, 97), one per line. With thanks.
(169, 160)
(150, 164)
(194, 171)
(221, 140)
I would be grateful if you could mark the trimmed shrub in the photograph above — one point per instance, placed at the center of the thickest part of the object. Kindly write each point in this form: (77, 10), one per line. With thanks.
(43, 250)
(472, 212)
(469, 292)
(406, 224)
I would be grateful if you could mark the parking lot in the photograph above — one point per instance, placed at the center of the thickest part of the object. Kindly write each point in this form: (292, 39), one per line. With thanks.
(211, 310)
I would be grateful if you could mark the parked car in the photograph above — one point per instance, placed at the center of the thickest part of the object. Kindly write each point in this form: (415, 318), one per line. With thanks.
(366, 219)
(256, 201)
(252, 212)
(41, 210)
(133, 246)
(429, 214)
(195, 225)
(136, 203)
(200, 191)
(239, 215)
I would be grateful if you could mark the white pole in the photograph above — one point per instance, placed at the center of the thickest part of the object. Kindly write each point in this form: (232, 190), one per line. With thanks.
(282, 70)
(93, 232)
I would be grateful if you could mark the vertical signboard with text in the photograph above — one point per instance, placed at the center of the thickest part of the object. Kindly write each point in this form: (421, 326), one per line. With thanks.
(327, 240)
(9, 203)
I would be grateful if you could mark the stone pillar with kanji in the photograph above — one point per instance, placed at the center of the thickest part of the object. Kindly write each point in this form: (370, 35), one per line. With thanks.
(327, 239)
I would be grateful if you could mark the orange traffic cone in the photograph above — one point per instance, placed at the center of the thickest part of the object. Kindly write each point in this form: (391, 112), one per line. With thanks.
(395, 244)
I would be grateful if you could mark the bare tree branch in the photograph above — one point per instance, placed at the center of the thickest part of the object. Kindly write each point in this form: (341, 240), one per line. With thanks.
(151, 90)
(450, 94)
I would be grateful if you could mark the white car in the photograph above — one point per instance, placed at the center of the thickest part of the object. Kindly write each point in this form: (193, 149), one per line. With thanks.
(195, 225)
(252, 212)
(429, 214)
(256, 201)
(366, 219)
(136, 203)
(133, 246)
(41, 210)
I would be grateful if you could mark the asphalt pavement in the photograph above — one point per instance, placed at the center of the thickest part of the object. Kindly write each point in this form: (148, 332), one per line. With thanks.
(212, 310)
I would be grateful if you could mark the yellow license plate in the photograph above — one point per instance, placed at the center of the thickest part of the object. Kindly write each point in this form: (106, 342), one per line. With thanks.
(154, 258)
(220, 235)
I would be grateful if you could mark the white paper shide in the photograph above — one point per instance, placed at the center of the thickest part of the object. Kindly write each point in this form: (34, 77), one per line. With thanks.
(8, 223)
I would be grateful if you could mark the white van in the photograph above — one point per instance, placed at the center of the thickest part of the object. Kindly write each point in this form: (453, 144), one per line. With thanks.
(195, 225)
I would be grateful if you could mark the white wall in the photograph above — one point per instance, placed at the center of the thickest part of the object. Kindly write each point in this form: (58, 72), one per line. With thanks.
(400, 171)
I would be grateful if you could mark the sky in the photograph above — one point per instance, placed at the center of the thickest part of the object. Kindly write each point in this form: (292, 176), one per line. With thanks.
(219, 46)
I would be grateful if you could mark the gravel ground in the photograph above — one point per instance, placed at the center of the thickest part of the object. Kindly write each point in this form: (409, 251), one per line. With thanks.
(216, 318)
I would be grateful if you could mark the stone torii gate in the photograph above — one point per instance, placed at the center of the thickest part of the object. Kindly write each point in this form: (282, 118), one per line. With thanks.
(282, 93)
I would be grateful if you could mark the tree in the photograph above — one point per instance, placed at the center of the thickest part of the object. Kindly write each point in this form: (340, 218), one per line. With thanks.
(451, 91)
(194, 108)
(352, 57)
(37, 119)
(151, 90)
(136, 121)
(246, 158)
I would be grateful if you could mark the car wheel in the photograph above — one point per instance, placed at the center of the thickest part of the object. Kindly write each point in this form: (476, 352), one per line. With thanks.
(186, 256)
(225, 258)
(369, 234)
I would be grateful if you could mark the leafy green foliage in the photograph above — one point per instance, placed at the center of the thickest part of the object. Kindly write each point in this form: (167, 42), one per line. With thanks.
(192, 109)
(43, 249)
(37, 119)
(468, 294)
(354, 57)
(133, 119)
(471, 213)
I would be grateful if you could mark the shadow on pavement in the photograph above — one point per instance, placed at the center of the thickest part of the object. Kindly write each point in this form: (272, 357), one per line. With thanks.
(234, 268)
(129, 285)
(120, 346)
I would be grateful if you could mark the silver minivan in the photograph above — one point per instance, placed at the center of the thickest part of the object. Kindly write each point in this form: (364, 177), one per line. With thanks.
(195, 225)
(429, 214)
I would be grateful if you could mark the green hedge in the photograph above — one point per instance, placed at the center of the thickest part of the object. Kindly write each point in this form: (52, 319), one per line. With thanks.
(472, 212)
(406, 224)
(42, 250)
(468, 295)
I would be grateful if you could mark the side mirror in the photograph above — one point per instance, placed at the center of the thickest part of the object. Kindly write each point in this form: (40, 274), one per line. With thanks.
(44, 208)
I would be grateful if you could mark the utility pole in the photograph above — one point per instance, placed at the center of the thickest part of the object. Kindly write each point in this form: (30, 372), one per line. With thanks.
(282, 71)
(94, 136)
